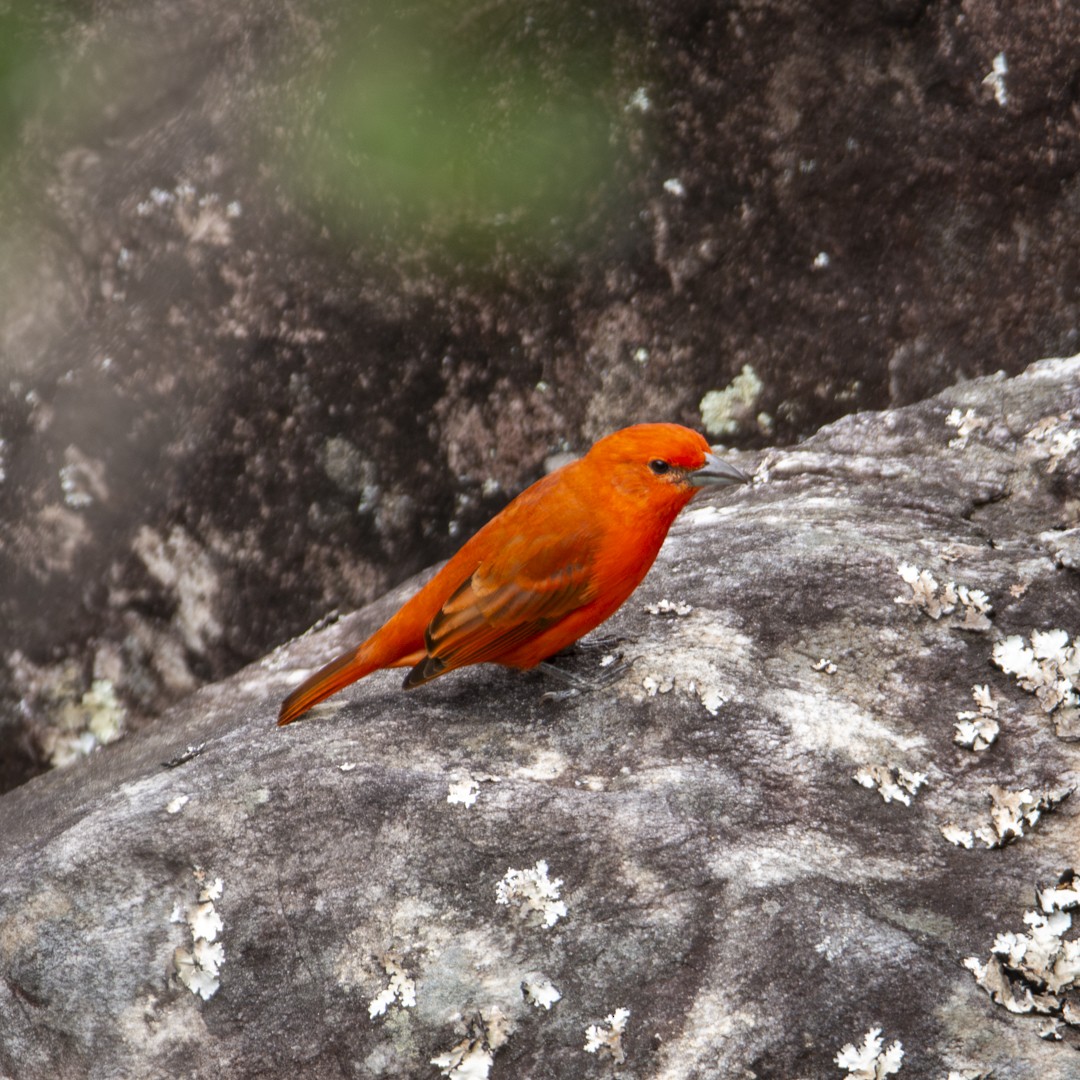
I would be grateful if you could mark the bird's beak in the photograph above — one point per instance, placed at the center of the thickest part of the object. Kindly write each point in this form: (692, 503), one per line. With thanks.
(716, 473)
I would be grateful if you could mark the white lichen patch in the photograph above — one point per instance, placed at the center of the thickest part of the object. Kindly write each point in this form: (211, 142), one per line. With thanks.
(669, 607)
(870, 1061)
(80, 727)
(700, 658)
(957, 834)
(82, 479)
(401, 989)
(463, 792)
(966, 424)
(1050, 1029)
(204, 219)
(473, 1057)
(710, 698)
(653, 686)
(937, 600)
(533, 893)
(893, 782)
(977, 734)
(469, 1059)
(1062, 896)
(976, 730)
(826, 665)
(607, 1039)
(1062, 444)
(174, 806)
(995, 79)
(540, 992)
(704, 685)
(1049, 668)
(1037, 971)
(1011, 812)
(725, 412)
(1063, 545)
(199, 967)
(1054, 439)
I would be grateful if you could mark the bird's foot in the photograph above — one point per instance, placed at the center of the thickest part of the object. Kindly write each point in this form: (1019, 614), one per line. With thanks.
(578, 684)
(596, 643)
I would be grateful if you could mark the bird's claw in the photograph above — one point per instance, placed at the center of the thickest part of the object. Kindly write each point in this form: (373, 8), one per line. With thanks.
(560, 695)
(577, 684)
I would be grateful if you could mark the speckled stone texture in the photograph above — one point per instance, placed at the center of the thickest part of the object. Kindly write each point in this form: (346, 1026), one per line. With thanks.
(297, 295)
(724, 876)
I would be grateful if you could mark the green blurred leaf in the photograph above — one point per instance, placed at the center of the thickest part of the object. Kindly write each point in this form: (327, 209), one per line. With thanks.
(421, 124)
(26, 29)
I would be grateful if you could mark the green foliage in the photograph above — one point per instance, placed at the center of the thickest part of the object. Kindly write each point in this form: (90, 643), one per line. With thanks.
(500, 127)
(26, 30)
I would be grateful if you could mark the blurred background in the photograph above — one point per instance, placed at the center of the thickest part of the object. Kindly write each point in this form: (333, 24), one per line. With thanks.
(293, 297)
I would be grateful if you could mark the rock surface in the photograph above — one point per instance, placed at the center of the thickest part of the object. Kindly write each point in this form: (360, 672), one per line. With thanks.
(295, 294)
(712, 865)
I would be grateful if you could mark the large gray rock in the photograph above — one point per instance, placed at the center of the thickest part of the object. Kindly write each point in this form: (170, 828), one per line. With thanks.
(296, 294)
(723, 876)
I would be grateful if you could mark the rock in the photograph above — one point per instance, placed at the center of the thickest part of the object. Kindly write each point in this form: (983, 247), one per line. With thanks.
(296, 295)
(476, 875)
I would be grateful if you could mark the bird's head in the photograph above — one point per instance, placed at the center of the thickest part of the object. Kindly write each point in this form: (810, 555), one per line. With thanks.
(662, 463)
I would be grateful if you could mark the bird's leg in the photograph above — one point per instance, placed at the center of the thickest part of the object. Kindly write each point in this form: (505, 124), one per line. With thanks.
(577, 684)
(596, 643)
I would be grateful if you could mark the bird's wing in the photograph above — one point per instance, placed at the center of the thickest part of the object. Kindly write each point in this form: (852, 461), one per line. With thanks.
(527, 586)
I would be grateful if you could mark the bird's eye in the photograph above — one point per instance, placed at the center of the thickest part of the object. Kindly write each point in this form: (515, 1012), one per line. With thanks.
(659, 467)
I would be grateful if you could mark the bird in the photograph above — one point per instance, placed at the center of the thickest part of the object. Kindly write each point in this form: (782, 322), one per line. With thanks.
(553, 564)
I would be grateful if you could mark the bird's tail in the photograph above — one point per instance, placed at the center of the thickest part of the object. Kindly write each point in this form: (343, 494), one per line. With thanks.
(345, 669)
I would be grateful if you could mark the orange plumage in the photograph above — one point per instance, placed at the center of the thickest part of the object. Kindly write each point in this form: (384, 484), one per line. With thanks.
(555, 563)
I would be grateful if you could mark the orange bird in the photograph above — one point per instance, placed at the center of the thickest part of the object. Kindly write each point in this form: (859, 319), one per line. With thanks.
(555, 563)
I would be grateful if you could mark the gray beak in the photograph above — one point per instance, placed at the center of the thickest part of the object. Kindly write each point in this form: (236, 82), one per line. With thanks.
(717, 473)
